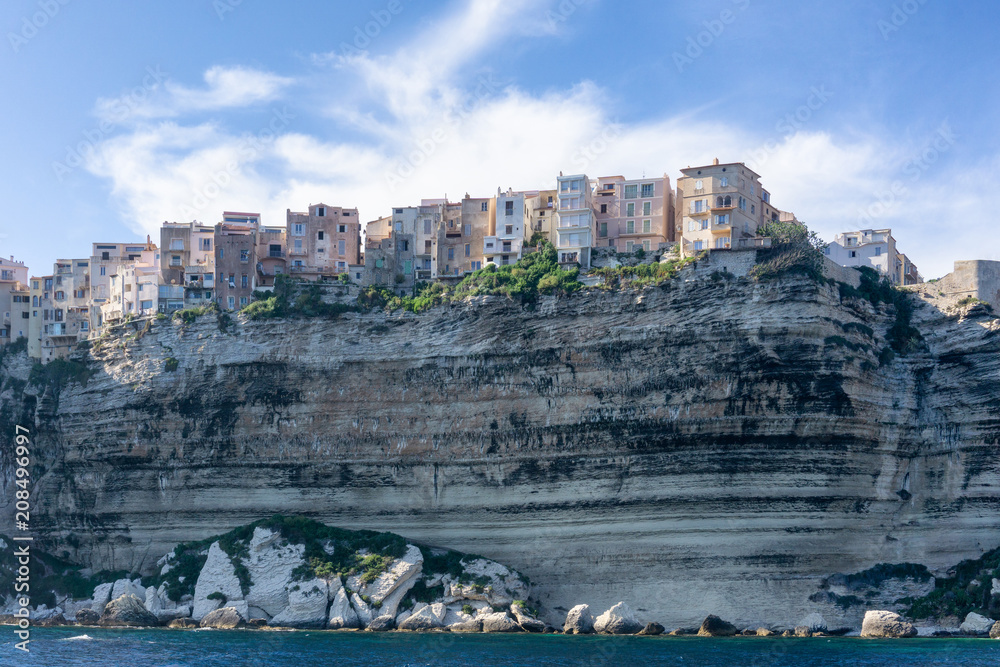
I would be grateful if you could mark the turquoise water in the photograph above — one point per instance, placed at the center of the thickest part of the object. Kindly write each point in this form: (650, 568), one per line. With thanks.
(55, 647)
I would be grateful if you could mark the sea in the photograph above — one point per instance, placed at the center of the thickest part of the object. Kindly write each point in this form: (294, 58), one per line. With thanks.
(56, 647)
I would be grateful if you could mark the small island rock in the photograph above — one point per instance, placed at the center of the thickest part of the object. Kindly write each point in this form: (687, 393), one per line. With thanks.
(886, 624)
(713, 626)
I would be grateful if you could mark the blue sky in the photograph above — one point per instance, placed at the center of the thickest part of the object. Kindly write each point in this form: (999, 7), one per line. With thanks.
(120, 115)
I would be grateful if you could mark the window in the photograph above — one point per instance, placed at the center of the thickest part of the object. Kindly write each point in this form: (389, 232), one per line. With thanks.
(722, 219)
(628, 246)
(206, 244)
(274, 250)
(753, 209)
(175, 260)
(342, 229)
(232, 302)
(408, 266)
(631, 191)
(467, 230)
(468, 250)
(645, 246)
(646, 226)
(232, 280)
(175, 244)
(319, 236)
(486, 206)
(647, 190)
(427, 226)
(476, 266)
(427, 247)
(854, 253)
(341, 247)
(243, 281)
(699, 245)
(404, 245)
(34, 301)
(724, 181)
(878, 251)
(604, 208)
(244, 256)
(630, 226)
(698, 206)
(508, 230)
(508, 208)
(298, 229)
(222, 253)
(603, 230)
(630, 209)
(320, 211)
(298, 245)
(699, 185)
(451, 253)
(704, 224)
(244, 300)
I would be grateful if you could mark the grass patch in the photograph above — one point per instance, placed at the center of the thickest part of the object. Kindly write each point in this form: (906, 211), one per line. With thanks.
(191, 315)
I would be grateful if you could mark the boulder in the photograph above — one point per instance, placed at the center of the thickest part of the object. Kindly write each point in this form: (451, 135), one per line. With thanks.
(270, 565)
(217, 576)
(527, 622)
(425, 618)
(474, 625)
(976, 625)
(803, 631)
(307, 602)
(886, 624)
(128, 611)
(226, 618)
(579, 621)
(381, 624)
(764, 632)
(183, 623)
(52, 621)
(652, 629)
(102, 596)
(995, 630)
(619, 620)
(390, 587)
(362, 610)
(87, 617)
(342, 615)
(787, 633)
(713, 626)
(814, 622)
(499, 622)
(128, 587)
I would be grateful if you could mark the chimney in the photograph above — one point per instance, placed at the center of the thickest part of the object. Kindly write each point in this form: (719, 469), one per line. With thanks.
(715, 161)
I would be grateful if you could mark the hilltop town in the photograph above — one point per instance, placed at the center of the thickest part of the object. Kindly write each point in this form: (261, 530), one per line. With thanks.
(716, 207)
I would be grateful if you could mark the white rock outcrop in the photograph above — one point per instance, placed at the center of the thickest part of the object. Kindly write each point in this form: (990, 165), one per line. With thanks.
(996, 587)
(128, 587)
(342, 614)
(217, 576)
(815, 622)
(579, 621)
(619, 620)
(976, 624)
(270, 566)
(425, 617)
(886, 624)
(102, 596)
(362, 609)
(307, 605)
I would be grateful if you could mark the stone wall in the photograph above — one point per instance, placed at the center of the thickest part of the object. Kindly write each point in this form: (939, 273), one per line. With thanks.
(977, 278)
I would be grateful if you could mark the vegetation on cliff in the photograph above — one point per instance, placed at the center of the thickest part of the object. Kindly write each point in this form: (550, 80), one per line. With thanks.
(968, 590)
(287, 301)
(794, 250)
(641, 275)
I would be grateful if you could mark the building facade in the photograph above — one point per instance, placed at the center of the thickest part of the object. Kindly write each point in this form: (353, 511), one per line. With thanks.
(719, 207)
(574, 220)
(505, 239)
(15, 301)
(272, 256)
(632, 214)
(323, 242)
(235, 264)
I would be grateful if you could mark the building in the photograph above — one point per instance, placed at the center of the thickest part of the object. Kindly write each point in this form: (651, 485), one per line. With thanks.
(15, 301)
(71, 301)
(272, 254)
(875, 248)
(574, 220)
(323, 242)
(720, 206)
(509, 228)
(187, 265)
(235, 264)
(460, 235)
(543, 208)
(41, 315)
(106, 260)
(390, 251)
(633, 214)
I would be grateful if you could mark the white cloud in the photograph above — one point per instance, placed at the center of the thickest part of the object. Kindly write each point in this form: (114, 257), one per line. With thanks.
(428, 127)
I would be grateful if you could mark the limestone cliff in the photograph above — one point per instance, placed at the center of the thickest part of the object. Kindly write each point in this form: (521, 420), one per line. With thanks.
(706, 446)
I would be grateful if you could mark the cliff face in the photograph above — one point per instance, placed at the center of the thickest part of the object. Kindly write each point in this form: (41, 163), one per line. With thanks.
(702, 447)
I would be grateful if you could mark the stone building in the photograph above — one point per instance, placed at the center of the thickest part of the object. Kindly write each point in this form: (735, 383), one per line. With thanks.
(272, 255)
(235, 264)
(187, 265)
(509, 227)
(323, 242)
(15, 301)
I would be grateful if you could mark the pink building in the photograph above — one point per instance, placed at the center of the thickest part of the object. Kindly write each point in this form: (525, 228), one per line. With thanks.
(632, 214)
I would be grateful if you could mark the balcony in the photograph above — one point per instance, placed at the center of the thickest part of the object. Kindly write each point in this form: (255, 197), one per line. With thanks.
(280, 254)
(723, 207)
(298, 251)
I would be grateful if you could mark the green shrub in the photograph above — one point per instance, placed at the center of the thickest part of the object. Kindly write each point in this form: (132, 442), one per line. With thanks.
(468, 609)
(794, 250)
(171, 364)
(958, 595)
(643, 274)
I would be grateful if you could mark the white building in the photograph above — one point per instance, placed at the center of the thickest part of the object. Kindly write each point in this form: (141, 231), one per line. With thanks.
(505, 243)
(574, 220)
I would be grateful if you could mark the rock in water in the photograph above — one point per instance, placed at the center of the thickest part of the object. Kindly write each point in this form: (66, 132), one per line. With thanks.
(128, 611)
(713, 626)
(652, 629)
(579, 621)
(499, 621)
(527, 622)
(425, 618)
(764, 632)
(803, 631)
(475, 625)
(87, 617)
(226, 618)
(52, 621)
(183, 623)
(382, 623)
(886, 624)
(619, 620)
(976, 625)
(994, 631)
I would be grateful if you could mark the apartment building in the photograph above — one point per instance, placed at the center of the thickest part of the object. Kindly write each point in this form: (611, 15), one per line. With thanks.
(15, 300)
(633, 214)
(509, 228)
(543, 218)
(71, 300)
(187, 265)
(720, 206)
(323, 242)
(107, 260)
(235, 264)
(40, 290)
(574, 220)
(272, 254)
(460, 236)
(875, 248)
